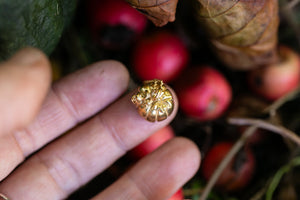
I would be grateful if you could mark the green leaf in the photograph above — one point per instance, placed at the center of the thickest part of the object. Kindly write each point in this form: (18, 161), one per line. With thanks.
(37, 23)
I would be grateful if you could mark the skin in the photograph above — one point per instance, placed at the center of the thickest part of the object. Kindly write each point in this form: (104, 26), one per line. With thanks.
(77, 127)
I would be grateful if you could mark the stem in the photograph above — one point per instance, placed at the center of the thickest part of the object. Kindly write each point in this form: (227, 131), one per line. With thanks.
(278, 103)
(255, 123)
(289, 16)
(260, 193)
(236, 147)
(191, 192)
(268, 126)
(290, 5)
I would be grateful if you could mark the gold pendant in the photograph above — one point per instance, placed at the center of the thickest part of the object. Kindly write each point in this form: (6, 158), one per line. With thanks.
(153, 100)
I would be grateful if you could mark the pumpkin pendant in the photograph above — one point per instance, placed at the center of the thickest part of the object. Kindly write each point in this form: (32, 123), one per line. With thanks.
(153, 100)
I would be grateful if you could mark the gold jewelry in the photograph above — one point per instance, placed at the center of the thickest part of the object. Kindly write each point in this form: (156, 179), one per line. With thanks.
(3, 197)
(153, 100)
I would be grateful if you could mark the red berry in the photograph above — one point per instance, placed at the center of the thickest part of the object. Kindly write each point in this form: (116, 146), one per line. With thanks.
(160, 55)
(237, 173)
(203, 93)
(115, 23)
(152, 142)
(275, 80)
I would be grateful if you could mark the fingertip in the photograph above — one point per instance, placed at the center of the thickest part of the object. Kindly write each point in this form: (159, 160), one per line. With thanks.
(118, 69)
(25, 79)
(29, 56)
(114, 65)
(117, 65)
(32, 64)
(178, 161)
(189, 151)
(35, 70)
(163, 172)
(184, 156)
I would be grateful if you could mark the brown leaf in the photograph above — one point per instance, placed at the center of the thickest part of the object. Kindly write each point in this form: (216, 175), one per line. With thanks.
(243, 33)
(160, 12)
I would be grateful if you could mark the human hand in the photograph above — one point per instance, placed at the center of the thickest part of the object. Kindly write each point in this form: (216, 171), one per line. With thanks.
(54, 139)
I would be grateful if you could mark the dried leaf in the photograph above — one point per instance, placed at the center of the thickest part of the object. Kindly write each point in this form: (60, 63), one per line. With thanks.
(160, 12)
(243, 33)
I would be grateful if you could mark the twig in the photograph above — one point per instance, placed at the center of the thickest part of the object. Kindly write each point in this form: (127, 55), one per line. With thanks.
(260, 193)
(272, 109)
(255, 123)
(289, 16)
(268, 126)
(290, 5)
(236, 147)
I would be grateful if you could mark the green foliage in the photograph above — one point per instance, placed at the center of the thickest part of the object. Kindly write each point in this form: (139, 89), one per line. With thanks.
(37, 23)
(278, 176)
(193, 190)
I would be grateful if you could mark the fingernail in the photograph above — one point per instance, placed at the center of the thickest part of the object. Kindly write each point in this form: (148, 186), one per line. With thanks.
(27, 56)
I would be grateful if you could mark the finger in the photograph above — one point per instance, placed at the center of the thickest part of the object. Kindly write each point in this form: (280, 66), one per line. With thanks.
(24, 82)
(70, 101)
(71, 161)
(159, 175)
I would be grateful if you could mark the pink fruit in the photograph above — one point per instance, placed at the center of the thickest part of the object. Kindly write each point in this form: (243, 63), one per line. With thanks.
(160, 55)
(237, 174)
(275, 80)
(203, 93)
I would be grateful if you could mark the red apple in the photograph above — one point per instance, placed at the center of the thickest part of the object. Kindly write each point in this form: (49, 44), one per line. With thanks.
(159, 55)
(178, 195)
(275, 80)
(203, 93)
(237, 173)
(152, 142)
(115, 24)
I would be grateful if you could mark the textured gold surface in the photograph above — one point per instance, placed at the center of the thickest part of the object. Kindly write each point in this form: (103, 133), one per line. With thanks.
(153, 100)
